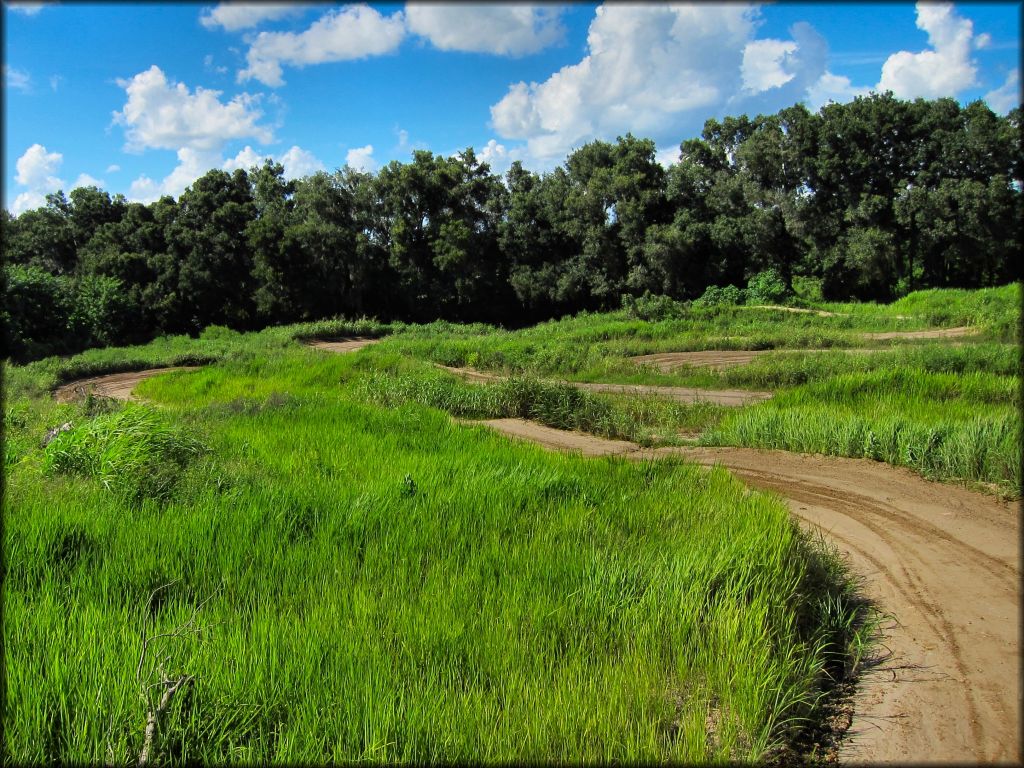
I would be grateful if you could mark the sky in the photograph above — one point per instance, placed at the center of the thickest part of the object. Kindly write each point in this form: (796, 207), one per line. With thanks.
(142, 99)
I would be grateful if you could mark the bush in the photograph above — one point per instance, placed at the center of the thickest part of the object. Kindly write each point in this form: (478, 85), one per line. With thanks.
(133, 452)
(715, 296)
(767, 287)
(652, 307)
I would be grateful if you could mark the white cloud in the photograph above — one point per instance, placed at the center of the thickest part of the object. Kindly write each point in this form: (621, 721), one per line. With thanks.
(37, 170)
(299, 162)
(192, 164)
(946, 69)
(26, 7)
(830, 87)
(85, 180)
(235, 16)
(667, 156)
(1007, 96)
(245, 159)
(512, 30)
(658, 71)
(165, 115)
(55, 81)
(113, 168)
(361, 158)
(354, 32)
(16, 79)
(763, 64)
(27, 201)
(984, 40)
(499, 157)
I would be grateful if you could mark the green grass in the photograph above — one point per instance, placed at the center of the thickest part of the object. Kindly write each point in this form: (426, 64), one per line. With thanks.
(349, 575)
(347, 581)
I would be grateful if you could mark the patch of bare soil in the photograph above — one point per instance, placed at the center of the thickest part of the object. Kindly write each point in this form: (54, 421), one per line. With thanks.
(116, 385)
(942, 560)
(728, 397)
(341, 345)
(798, 310)
(935, 333)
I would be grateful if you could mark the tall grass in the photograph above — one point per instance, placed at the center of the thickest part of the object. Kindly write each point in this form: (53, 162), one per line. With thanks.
(374, 584)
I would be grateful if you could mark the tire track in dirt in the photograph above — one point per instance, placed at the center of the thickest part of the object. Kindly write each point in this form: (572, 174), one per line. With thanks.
(726, 397)
(941, 559)
(120, 386)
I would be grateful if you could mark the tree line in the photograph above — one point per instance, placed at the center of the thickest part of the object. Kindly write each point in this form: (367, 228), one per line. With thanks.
(869, 199)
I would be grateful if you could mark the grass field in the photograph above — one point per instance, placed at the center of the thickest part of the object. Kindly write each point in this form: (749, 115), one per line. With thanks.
(333, 569)
(350, 582)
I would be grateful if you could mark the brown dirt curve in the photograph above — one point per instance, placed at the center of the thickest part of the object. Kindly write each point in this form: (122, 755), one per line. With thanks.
(942, 560)
(728, 397)
(120, 386)
(116, 385)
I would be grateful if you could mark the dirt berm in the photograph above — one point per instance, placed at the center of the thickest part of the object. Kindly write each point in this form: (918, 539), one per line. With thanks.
(942, 560)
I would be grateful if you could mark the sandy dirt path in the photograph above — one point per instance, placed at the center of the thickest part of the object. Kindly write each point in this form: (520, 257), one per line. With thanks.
(120, 386)
(727, 397)
(934, 333)
(719, 360)
(942, 560)
(341, 345)
(116, 385)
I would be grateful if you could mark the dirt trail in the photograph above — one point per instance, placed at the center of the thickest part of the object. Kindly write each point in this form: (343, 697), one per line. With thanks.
(934, 333)
(341, 345)
(727, 397)
(943, 560)
(718, 360)
(116, 385)
(120, 386)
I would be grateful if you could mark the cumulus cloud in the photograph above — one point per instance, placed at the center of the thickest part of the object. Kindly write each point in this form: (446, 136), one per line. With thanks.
(16, 79)
(297, 161)
(499, 157)
(85, 180)
(1007, 96)
(161, 114)
(659, 71)
(830, 87)
(192, 163)
(361, 158)
(943, 70)
(354, 32)
(235, 16)
(113, 168)
(36, 170)
(511, 30)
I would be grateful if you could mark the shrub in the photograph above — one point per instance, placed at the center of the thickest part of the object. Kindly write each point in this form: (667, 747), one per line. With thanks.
(133, 452)
(652, 307)
(715, 296)
(767, 287)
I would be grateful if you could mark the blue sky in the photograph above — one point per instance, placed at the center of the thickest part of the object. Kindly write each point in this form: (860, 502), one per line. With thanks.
(142, 99)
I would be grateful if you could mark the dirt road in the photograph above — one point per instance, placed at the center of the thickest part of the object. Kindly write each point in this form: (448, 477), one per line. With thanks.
(728, 397)
(116, 385)
(341, 345)
(934, 333)
(943, 560)
(120, 386)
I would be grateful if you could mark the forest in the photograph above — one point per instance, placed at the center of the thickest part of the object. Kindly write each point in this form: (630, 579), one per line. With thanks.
(867, 200)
